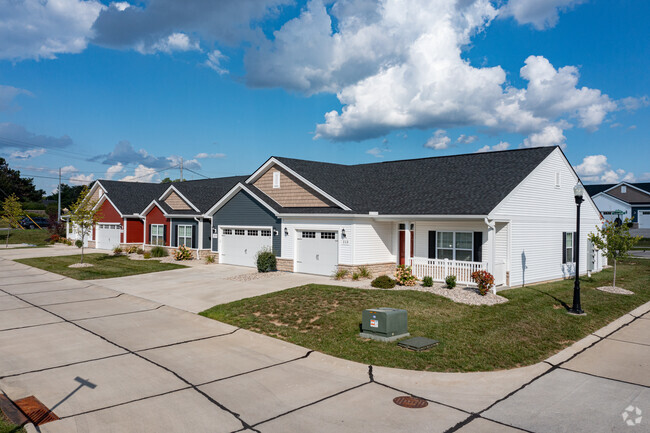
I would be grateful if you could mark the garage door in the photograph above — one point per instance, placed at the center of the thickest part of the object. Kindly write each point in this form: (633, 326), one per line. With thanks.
(240, 244)
(318, 252)
(108, 236)
(644, 219)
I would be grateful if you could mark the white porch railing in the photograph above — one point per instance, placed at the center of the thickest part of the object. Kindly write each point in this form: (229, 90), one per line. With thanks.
(439, 269)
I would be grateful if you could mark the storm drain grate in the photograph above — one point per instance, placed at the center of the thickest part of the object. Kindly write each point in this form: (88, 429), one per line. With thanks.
(418, 344)
(36, 411)
(410, 402)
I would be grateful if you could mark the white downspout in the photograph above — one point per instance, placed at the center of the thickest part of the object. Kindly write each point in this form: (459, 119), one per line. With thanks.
(492, 243)
(144, 230)
(199, 237)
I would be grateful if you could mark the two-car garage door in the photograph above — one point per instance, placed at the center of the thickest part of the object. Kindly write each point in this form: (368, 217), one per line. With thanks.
(240, 245)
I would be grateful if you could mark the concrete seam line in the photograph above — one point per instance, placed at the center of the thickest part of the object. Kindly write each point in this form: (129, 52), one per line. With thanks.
(507, 425)
(57, 290)
(312, 403)
(630, 342)
(255, 369)
(73, 302)
(115, 314)
(604, 377)
(29, 326)
(31, 282)
(63, 365)
(14, 309)
(210, 399)
(185, 388)
(425, 398)
(185, 341)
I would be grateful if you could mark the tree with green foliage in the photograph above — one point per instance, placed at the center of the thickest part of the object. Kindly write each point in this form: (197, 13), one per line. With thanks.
(169, 180)
(69, 194)
(614, 240)
(12, 211)
(83, 216)
(12, 183)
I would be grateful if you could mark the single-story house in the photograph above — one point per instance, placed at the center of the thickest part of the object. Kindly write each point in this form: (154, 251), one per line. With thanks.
(624, 199)
(511, 213)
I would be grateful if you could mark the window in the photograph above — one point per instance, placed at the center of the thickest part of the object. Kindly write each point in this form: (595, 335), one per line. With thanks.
(157, 234)
(266, 233)
(227, 231)
(185, 236)
(240, 232)
(623, 189)
(309, 235)
(328, 235)
(568, 247)
(252, 232)
(276, 179)
(455, 245)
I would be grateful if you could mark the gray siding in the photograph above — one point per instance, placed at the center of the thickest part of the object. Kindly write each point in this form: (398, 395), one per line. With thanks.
(207, 235)
(184, 222)
(243, 210)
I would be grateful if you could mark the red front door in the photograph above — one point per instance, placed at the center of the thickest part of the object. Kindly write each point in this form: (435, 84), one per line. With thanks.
(402, 246)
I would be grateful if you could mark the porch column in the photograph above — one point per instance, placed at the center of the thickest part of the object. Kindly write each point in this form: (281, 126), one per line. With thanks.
(407, 242)
(492, 244)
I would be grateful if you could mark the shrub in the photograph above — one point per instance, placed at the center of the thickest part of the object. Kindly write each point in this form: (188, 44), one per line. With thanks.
(139, 251)
(383, 282)
(266, 261)
(484, 280)
(116, 250)
(364, 272)
(404, 276)
(147, 255)
(427, 282)
(450, 281)
(78, 243)
(54, 239)
(68, 242)
(340, 274)
(182, 253)
(132, 249)
(355, 276)
(209, 259)
(159, 252)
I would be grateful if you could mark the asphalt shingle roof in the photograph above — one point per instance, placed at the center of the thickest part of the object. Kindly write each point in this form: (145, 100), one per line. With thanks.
(471, 184)
(206, 192)
(132, 197)
(592, 190)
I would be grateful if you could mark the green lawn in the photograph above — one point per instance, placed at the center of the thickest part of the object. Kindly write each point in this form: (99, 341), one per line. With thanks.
(18, 236)
(529, 328)
(8, 427)
(105, 266)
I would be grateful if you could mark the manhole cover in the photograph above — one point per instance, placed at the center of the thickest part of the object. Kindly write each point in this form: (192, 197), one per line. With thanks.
(418, 344)
(36, 411)
(410, 402)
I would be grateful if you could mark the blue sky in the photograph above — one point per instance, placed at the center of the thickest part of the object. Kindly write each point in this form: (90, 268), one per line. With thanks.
(124, 90)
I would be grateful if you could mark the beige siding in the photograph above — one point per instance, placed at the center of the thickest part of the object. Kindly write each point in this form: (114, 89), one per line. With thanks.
(97, 195)
(176, 203)
(632, 195)
(539, 212)
(291, 193)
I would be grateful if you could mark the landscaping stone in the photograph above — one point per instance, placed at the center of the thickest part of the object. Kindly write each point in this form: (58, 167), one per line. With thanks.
(616, 290)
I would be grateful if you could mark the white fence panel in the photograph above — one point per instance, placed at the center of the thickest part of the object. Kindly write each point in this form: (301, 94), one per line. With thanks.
(439, 269)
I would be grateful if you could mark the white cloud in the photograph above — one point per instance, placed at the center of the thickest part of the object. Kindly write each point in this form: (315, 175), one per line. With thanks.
(595, 168)
(549, 136)
(35, 29)
(7, 95)
(214, 62)
(32, 153)
(503, 145)
(633, 104)
(541, 14)
(17, 134)
(592, 165)
(466, 139)
(169, 44)
(114, 170)
(141, 174)
(120, 6)
(376, 152)
(72, 175)
(125, 153)
(397, 65)
(204, 155)
(438, 140)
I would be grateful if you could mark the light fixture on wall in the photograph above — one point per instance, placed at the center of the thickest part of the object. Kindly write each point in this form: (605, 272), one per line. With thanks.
(286, 231)
(214, 230)
(343, 235)
(275, 232)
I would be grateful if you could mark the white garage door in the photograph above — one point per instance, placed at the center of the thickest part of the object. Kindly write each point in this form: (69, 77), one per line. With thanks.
(318, 252)
(240, 244)
(108, 236)
(644, 219)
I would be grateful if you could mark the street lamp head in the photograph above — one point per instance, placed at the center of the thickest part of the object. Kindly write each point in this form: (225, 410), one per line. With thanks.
(578, 190)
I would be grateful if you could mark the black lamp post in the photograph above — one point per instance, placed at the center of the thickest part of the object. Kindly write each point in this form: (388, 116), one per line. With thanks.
(578, 192)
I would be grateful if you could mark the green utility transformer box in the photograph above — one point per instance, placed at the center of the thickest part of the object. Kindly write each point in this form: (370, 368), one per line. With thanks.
(384, 324)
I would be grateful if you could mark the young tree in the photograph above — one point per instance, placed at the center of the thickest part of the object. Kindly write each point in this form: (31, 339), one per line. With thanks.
(11, 213)
(614, 240)
(83, 217)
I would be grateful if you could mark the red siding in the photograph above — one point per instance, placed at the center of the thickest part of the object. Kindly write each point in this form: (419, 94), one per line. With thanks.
(109, 214)
(134, 231)
(155, 216)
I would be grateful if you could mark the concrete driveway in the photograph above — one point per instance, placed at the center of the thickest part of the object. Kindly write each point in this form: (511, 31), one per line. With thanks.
(107, 361)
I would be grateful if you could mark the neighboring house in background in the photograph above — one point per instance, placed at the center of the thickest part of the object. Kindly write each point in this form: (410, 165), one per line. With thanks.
(511, 213)
(632, 199)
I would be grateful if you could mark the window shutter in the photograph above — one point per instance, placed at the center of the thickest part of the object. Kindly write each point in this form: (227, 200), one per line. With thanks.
(432, 244)
(575, 236)
(478, 247)
(174, 240)
(194, 232)
(165, 235)
(148, 228)
(563, 247)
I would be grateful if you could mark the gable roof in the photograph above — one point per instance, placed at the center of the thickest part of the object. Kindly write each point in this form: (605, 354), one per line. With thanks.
(203, 194)
(469, 184)
(592, 190)
(642, 187)
(131, 198)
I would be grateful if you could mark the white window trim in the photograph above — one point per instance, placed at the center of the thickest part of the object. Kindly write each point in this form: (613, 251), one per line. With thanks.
(453, 248)
(569, 258)
(623, 189)
(151, 235)
(276, 179)
(178, 236)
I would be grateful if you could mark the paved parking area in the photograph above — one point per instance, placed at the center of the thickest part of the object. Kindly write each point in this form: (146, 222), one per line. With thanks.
(107, 361)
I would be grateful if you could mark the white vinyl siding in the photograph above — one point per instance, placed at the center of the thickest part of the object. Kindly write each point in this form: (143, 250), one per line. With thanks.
(373, 243)
(157, 234)
(185, 236)
(422, 229)
(539, 213)
(293, 225)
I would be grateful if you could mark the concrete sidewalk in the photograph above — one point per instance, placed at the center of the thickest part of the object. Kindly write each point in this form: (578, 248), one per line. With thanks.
(157, 368)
